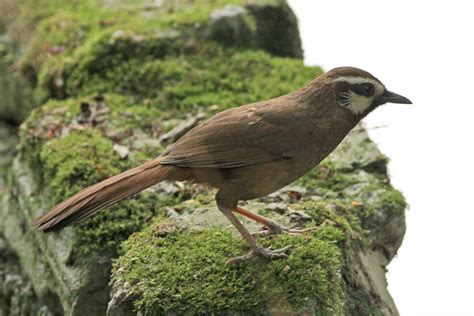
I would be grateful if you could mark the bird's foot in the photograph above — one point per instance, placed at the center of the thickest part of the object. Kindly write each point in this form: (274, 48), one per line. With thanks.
(275, 228)
(258, 250)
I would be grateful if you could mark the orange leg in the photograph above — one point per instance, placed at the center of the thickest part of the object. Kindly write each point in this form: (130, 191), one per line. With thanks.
(273, 227)
(256, 248)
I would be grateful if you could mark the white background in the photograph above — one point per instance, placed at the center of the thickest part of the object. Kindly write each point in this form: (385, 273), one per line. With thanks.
(424, 51)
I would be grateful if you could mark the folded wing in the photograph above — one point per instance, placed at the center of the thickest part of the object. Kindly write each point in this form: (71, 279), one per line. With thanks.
(235, 138)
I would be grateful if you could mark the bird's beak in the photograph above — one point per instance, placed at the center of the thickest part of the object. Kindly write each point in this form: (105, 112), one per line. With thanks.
(391, 97)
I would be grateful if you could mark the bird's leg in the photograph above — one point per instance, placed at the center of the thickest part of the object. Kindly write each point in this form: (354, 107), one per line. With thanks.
(256, 248)
(273, 227)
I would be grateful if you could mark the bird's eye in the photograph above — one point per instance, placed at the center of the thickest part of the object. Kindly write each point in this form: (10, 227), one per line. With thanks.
(369, 89)
(366, 89)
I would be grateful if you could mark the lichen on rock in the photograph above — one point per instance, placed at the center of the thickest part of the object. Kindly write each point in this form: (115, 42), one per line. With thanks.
(115, 77)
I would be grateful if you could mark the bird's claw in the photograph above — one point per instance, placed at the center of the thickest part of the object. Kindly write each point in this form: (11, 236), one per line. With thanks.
(274, 228)
(299, 231)
(260, 251)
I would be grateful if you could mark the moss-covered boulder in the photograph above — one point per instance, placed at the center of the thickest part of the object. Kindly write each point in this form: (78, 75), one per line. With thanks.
(117, 81)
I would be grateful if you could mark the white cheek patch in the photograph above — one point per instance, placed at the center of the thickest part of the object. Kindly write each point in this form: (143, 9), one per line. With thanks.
(360, 103)
(356, 103)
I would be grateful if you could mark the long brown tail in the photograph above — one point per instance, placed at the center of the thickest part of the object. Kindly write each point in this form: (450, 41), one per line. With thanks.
(101, 195)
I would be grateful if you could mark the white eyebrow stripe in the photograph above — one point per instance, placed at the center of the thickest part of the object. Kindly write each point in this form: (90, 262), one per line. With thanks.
(356, 80)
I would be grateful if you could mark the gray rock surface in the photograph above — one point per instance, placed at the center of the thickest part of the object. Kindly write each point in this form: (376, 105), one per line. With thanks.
(46, 259)
(16, 95)
(17, 296)
(230, 25)
(269, 25)
(276, 27)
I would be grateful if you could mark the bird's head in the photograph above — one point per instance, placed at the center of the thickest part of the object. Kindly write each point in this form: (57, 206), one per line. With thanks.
(359, 92)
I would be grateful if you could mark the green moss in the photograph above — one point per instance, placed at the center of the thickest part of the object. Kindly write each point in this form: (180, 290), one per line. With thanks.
(104, 232)
(223, 76)
(77, 160)
(39, 127)
(394, 201)
(182, 271)
(85, 156)
(95, 46)
(55, 118)
(365, 214)
(81, 159)
(335, 212)
(381, 198)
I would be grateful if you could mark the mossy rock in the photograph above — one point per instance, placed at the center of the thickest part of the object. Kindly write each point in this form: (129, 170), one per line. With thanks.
(73, 42)
(182, 271)
(126, 72)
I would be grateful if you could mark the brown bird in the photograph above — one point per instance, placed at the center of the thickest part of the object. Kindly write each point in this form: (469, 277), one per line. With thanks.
(246, 152)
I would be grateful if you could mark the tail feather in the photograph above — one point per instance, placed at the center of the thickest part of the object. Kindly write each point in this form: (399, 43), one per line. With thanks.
(101, 195)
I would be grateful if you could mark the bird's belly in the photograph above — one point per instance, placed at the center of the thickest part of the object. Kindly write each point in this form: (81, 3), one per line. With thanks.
(255, 181)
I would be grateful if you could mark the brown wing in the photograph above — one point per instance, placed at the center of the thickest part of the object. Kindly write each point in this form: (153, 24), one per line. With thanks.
(235, 138)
